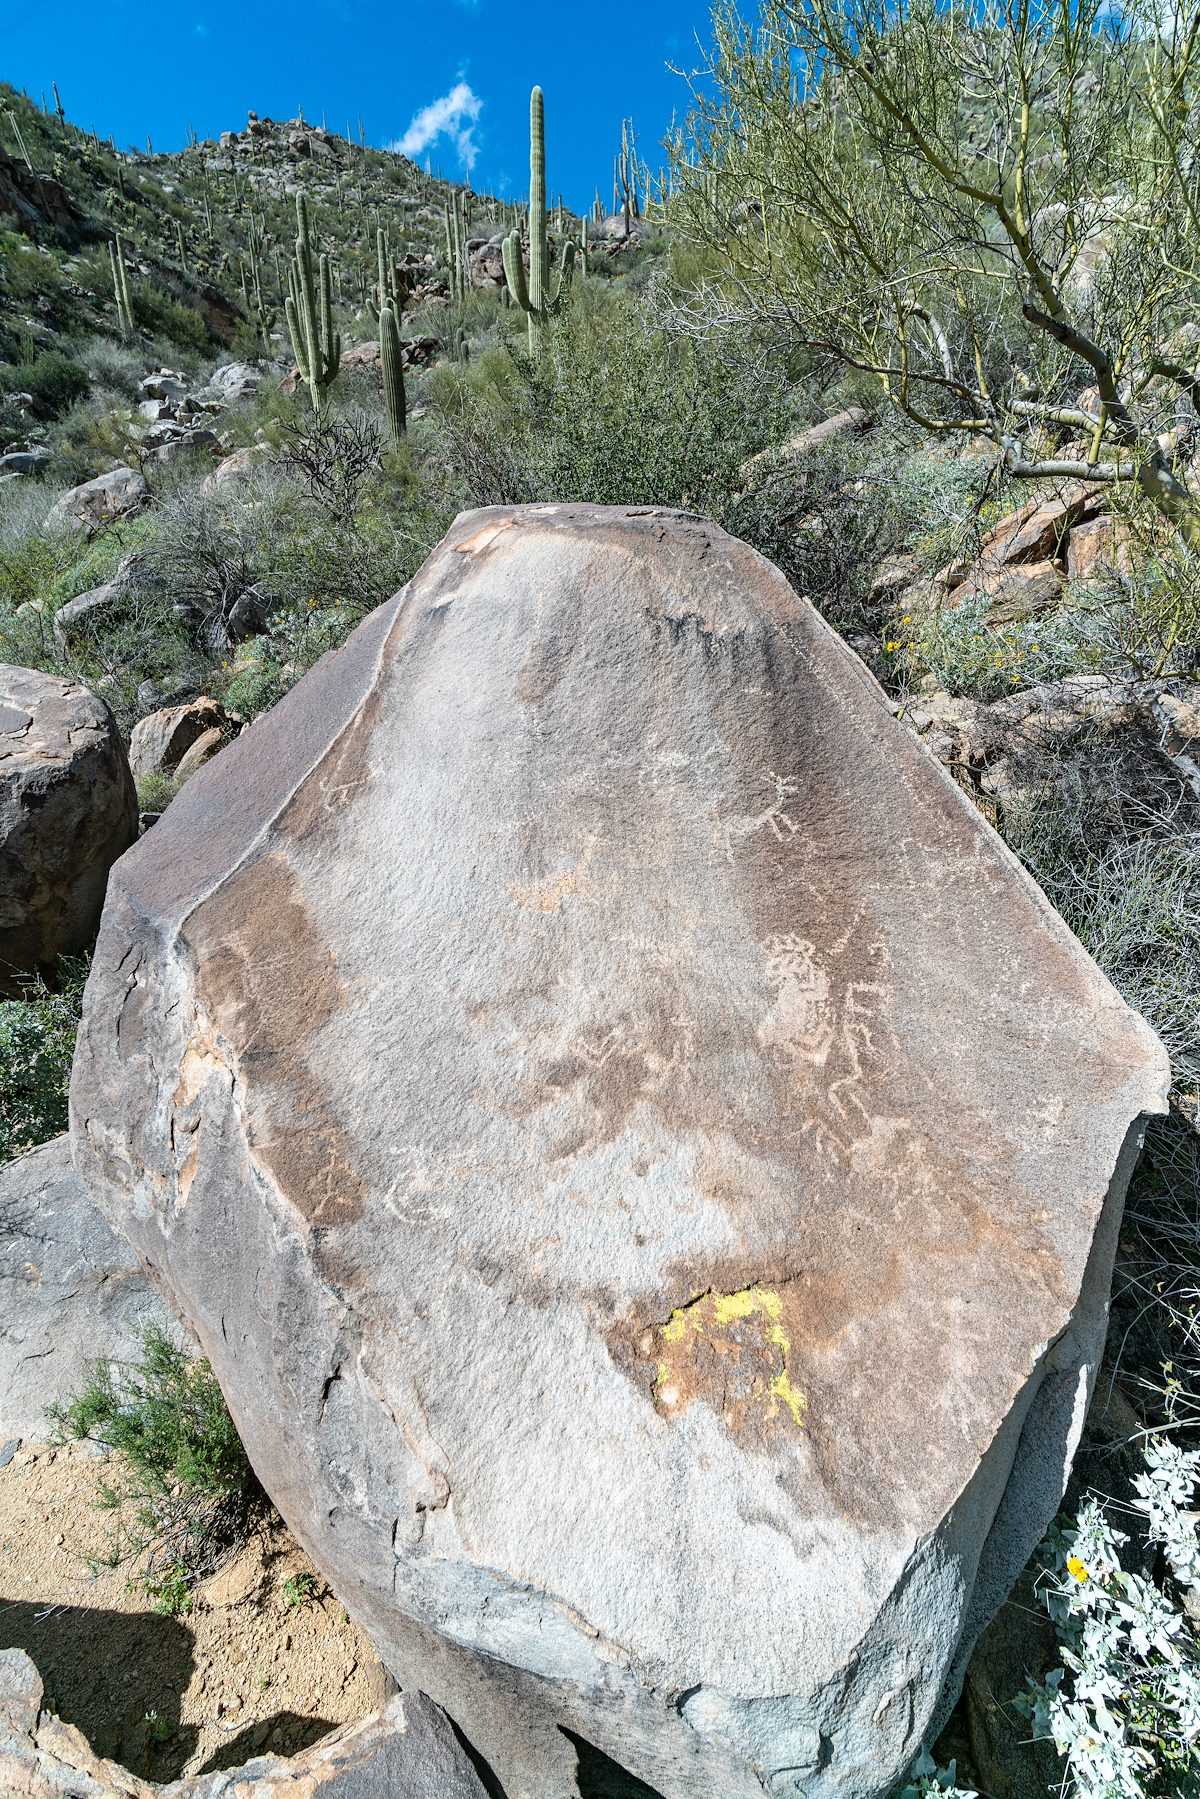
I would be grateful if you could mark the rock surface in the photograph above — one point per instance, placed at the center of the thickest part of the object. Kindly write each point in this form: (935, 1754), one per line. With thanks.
(161, 741)
(67, 810)
(406, 1751)
(117, 495)
(673, 1150)
(71, 1291)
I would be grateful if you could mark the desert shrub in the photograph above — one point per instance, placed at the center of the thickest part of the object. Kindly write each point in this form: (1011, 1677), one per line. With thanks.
(1112, 838)
(37, 1042)
(183, 1492)
(614, 410)
(155, 791)
(926, 1780)
(114, 367)
(163, 316)
(258, 680)
(1124, 1708)
(967, 655)
(315, 572)
(52, 379)
(334, 457)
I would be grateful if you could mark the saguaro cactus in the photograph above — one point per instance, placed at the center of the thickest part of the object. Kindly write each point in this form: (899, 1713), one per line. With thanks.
(455, 212)
(391, 364)
(533, 295)
(120, 275)
(309, 308)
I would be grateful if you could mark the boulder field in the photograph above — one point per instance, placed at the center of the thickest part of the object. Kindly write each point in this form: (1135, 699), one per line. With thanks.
(641, 1156)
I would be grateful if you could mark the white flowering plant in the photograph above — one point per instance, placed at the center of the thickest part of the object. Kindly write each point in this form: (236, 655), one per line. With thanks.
(1124, 1709)
(927, 1781)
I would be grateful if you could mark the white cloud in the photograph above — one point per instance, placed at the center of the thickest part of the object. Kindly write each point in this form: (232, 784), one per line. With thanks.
(454, 116)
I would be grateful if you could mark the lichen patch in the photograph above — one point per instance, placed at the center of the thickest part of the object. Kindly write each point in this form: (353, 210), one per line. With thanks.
(731, 1350)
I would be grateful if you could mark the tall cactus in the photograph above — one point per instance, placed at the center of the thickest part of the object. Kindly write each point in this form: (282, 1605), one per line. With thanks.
(391, 365)
(626, 171)
(120, 275)
(533, 295)
(309, 307)
(455, 212)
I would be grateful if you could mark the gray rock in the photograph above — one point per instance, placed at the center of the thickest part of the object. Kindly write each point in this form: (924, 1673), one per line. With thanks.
(117, 495)
(248, 615)
(71, 1291)
(233, 382)
(165, 385)
(183, 443)
(235, 467)
(67, 811)
(78, 618)
(406, 1751)
(25, 462)
(673, 1151)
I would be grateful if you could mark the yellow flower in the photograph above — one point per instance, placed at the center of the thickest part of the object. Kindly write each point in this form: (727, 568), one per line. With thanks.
(1076, 1567)
(889, 647)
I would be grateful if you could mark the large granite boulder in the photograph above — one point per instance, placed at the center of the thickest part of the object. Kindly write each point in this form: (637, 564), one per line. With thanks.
(71, 1290)
(641, 1155)
(68, 808)
(117, 495)
(406, 1751)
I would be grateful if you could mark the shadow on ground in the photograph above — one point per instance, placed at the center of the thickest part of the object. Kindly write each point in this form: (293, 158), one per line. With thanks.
(287, 1733)
(107, 1673)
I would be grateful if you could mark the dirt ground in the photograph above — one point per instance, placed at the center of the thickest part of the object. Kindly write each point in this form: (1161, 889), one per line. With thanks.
(244, 1670)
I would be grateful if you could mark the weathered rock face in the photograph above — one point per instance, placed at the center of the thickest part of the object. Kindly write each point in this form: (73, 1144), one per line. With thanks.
(67, 810)
(406, 1751)
(117, 495)
(641, 1156)
(71, 1290)
(160, 741)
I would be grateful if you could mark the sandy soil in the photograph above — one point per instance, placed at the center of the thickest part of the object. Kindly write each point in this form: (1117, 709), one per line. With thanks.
(243, 1670)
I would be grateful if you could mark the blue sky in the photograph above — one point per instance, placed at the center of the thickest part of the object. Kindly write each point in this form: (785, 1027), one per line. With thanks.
(157, 66)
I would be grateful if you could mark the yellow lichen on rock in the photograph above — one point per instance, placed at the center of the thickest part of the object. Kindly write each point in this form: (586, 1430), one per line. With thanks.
(730, 1349)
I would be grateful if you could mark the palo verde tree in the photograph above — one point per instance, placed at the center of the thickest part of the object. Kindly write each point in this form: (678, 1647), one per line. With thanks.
(991, 208)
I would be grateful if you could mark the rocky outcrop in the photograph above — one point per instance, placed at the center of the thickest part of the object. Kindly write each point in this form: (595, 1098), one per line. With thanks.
(71, 1291)
(1024, 559)
(117, 495)
(406, 1751)
(67, 810)
(1007, 751)
(641, 1156)
(36, 200)
(161, 741)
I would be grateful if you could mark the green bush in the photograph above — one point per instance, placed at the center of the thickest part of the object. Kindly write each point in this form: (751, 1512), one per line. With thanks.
(1112, 840)
(967, 655)
(54, 381)
(614, 410)
(37, 1042)
(184, 1491)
